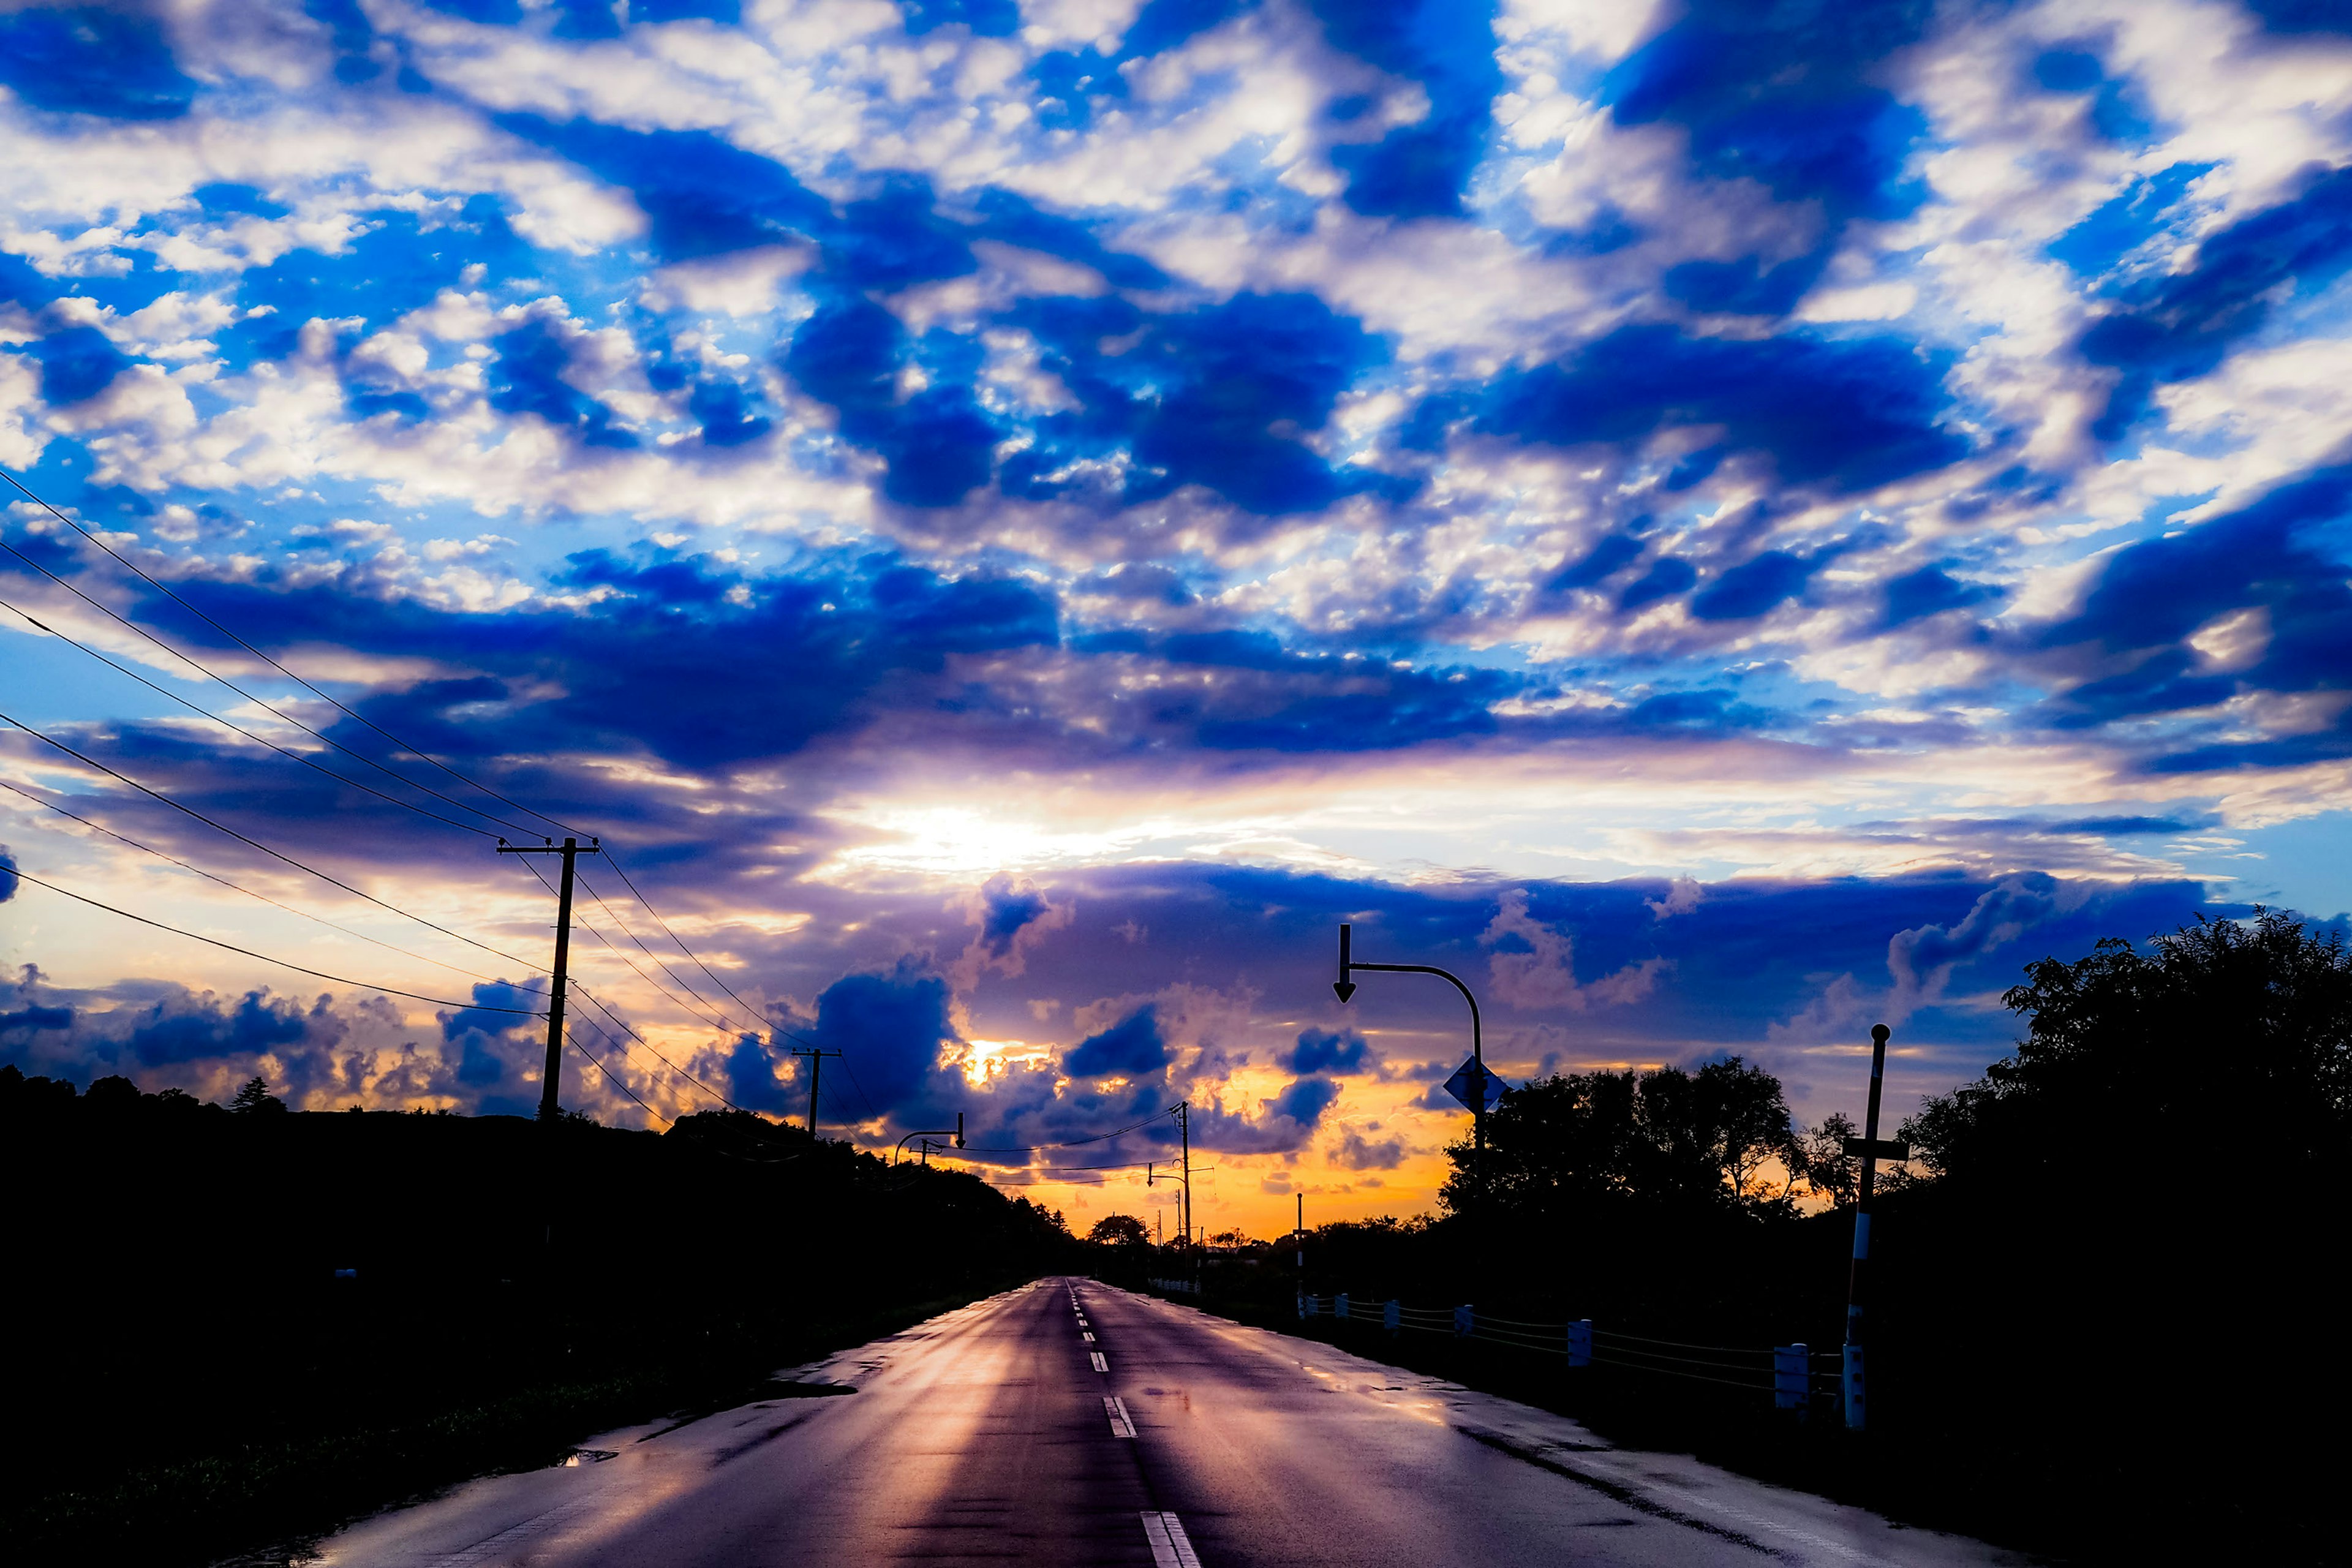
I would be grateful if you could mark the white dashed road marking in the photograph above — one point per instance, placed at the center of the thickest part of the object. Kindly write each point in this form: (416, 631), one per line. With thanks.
(1170, 1549)
(1122, 1424)
(1100, 1365)
(1088, 1338)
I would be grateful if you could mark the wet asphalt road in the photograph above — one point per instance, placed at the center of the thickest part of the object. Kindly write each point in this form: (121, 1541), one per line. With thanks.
(989, 1437)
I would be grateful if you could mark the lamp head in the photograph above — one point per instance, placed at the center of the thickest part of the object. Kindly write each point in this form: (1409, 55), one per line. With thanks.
(1345, 989)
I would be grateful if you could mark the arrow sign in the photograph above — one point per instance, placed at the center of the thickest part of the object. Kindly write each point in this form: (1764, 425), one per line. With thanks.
(1884, 1149)
(1464, 1086)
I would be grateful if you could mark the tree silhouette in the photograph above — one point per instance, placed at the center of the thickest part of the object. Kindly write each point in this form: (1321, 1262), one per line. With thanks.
(255, 1099)
(1119, 1230)
(2218, 1024)
(1664, 1138)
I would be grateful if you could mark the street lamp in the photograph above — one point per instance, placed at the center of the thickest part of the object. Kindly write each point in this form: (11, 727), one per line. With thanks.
(1475, 1070)
(956, 1132)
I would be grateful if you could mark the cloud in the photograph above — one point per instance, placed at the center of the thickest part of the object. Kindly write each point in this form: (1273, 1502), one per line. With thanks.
(1683, 894)
(1543, 975)
(1013, 916)
(1357, 1153)
(1132, 1047)
(1921, 960)
(895, 1029)
(1848, 414)
(1328, 1050)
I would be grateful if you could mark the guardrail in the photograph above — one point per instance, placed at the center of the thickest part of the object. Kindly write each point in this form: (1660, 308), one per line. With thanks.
(1795, 1375)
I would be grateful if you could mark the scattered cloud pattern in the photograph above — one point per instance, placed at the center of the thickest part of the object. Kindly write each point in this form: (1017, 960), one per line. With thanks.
(1722, 523)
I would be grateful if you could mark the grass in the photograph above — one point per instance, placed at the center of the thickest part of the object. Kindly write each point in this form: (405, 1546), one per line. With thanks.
(268, 1502)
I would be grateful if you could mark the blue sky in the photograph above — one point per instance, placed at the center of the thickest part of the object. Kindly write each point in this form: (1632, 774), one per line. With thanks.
(1725, 523)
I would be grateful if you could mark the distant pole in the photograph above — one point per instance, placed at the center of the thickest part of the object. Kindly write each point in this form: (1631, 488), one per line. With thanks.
(1870, 1149)
(1184, 1131)
(570, 848)
(816, 1055)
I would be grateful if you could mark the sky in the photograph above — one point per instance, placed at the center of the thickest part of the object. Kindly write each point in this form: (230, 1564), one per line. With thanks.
(1010, 520)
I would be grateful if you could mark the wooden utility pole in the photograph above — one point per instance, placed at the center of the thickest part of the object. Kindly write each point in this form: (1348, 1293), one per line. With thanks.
(568, 849)
(816, 1055)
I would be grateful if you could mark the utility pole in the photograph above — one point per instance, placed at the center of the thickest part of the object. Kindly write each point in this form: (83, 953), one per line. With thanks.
(1184, 1131)
(570, 848)
(816, 1055)
(1299, 1235)
(1871, 1149)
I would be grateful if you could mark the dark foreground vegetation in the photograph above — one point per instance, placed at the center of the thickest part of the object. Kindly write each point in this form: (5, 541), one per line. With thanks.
(2107, 1312)
(227, 1329)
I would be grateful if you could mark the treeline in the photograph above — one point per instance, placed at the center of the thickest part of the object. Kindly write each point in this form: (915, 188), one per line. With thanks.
(2106, 1300)
(228, 1326)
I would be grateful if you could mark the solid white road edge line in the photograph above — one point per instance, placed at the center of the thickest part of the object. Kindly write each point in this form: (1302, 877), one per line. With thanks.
(1170, 1548)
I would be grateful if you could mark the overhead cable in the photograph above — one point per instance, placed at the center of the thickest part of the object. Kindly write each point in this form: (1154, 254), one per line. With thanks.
(1074, 1142)
(613, 861)
(169, 592)
(248, 892)
(621, 1023)
(254, 843)
(610, 1077)
(276, 712)
(266, 958)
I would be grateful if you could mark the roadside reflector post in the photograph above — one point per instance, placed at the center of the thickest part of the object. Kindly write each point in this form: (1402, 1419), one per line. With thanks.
(1392, 1315)
(1792, 1380)
(1580, 1342)
(1466, 1322)
(1339, 1305)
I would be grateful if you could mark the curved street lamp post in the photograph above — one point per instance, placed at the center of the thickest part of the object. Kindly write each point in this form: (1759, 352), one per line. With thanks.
(1345, 990)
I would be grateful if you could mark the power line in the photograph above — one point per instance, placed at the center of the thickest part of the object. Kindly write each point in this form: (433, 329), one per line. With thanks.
(419, 753)
(1072, 1144)
(166, 590)
(641, 947)
(257, 844)
(689, 953)
(274, 711)
(624, 1026)
(248, 892)
(610, 1077)
(581, 921)
(871, 1114)
(266, 958)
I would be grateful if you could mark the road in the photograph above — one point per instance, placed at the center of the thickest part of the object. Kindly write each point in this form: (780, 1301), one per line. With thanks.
(1070, 1424)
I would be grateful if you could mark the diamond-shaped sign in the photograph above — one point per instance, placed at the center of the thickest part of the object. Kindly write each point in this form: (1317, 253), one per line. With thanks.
(1464, 1085)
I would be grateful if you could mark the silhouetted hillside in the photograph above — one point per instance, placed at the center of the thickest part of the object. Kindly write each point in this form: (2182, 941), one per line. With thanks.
(223, 1321)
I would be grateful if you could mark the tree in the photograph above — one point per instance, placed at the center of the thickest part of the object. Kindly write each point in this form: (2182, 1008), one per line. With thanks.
(2245, 1027)
(1119, 1230)
(255, 1099)
(1667, 1137)
(1822, 1160)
